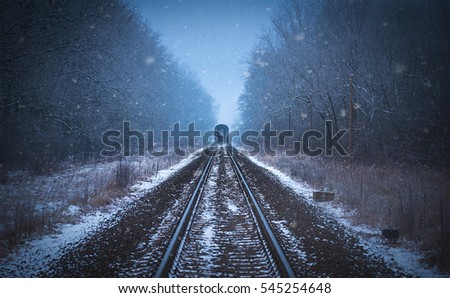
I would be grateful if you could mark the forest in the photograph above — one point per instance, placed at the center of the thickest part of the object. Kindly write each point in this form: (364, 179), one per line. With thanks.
(72, 70)
(376, 68)
(379, 70)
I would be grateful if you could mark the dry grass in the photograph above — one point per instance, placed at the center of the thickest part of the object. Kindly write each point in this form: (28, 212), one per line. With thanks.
(33, 204)
(414, 199)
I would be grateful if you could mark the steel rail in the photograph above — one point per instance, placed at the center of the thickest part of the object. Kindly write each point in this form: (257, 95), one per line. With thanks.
(177, 238)
(274, 246)
(186, 218)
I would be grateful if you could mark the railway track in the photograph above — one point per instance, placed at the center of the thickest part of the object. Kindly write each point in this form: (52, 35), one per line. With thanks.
(223, 231)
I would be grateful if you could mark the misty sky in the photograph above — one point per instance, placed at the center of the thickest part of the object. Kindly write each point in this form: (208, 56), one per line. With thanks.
(212, 37)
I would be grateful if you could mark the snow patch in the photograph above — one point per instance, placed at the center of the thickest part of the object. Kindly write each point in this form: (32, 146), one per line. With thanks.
(72, 210)
(299, 187)
(142, 187)
(231, 206)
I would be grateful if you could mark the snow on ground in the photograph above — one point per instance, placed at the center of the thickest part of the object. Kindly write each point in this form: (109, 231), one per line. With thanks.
(403, 256)
(36, 255)
(143, 187)
(283, 227)
(69, 184)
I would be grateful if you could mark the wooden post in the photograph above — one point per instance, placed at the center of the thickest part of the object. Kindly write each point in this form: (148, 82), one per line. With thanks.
(289, 116)
(323, 196)
(310, 116)
(350, 118)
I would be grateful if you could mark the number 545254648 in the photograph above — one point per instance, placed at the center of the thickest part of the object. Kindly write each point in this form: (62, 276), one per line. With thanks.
(295, 288)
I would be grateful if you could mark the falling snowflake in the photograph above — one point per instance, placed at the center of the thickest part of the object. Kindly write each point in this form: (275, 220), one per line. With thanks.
(149, 60)
(299, 37)
(261, 63)
(399, 68)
